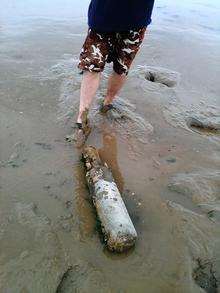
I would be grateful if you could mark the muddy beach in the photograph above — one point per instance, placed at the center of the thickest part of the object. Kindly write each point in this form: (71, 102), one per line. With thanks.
(163, 147)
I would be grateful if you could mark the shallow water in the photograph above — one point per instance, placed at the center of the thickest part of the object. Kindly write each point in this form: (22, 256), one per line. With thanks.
(167, 172)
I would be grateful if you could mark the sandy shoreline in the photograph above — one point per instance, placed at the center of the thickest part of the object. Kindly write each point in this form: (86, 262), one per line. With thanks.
(168, 172)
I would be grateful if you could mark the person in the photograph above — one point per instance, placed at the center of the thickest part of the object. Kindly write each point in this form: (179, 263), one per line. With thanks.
(116, 31)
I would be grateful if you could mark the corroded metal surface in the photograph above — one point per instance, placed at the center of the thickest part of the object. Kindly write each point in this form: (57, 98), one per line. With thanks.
(117, 226)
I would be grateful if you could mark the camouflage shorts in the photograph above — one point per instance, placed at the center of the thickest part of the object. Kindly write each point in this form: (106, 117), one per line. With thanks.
(119, 48)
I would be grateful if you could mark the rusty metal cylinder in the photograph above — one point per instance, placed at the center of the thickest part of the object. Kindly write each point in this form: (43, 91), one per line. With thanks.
(116, 224)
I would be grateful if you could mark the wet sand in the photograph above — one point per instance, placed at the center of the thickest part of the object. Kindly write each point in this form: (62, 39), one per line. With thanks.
(167, 169)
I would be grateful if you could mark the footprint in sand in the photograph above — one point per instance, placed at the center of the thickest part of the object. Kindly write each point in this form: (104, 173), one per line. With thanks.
(83, 277)
(204, 125)
(202, 118)
(159, 75)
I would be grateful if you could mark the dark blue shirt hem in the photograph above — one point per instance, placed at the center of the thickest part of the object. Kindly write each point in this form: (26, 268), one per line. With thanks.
(119, 15)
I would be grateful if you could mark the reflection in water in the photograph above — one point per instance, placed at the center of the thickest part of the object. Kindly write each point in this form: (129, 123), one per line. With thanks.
(108, 154)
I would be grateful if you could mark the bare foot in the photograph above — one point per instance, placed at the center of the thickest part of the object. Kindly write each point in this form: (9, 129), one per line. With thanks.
(81, 131)
(105, 108)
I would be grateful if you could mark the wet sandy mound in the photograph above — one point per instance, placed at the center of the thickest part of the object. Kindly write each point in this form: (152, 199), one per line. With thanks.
(124, 118)
(158, 75)
(200, 187)
(206, 125)
(201, 118)
(67, 75)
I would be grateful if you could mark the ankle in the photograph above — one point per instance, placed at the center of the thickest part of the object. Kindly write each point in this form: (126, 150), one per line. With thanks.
(108, 101)
(79, 120)
(80, 116)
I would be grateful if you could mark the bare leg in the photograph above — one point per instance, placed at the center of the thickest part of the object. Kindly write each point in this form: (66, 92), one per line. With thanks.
(115, 84)
(89, 86)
